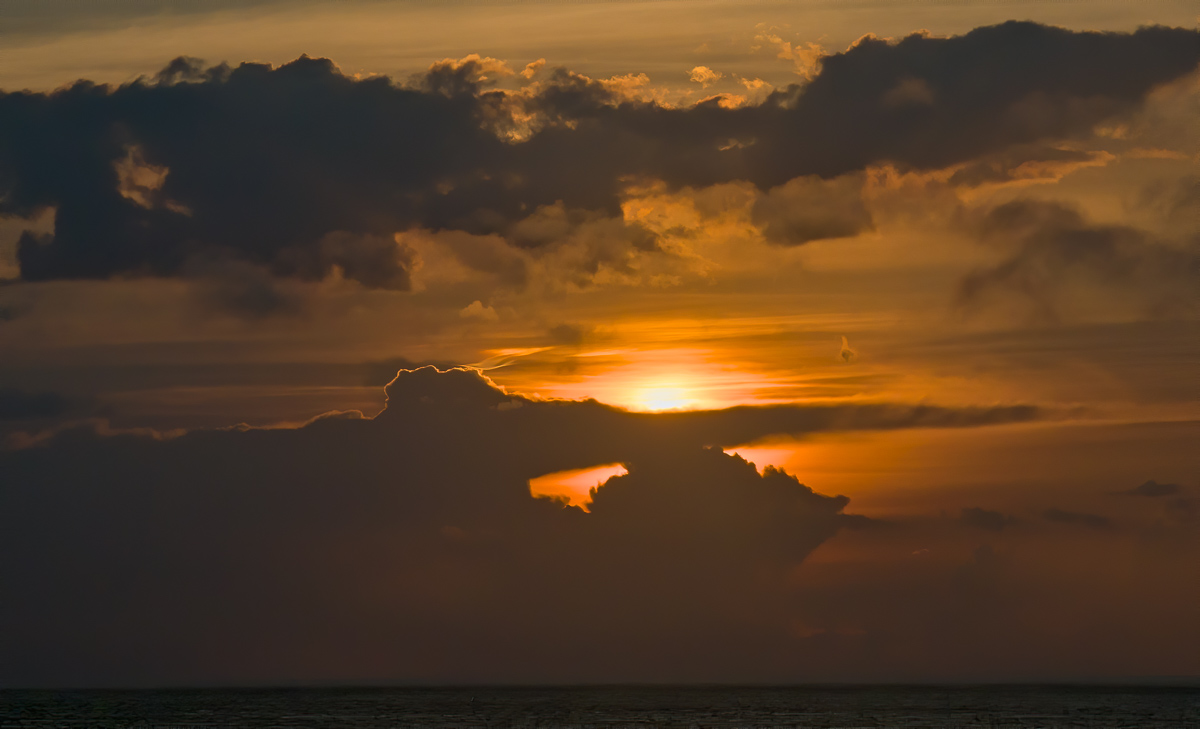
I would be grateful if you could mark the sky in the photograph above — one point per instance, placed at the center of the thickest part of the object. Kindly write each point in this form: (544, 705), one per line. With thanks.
(598, 342)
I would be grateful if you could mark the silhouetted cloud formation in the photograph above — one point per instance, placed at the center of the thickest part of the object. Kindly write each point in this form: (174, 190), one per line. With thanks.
(300, 170)
(409, 547)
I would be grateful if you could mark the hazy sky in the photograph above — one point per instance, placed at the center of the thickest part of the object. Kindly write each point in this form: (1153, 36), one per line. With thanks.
(879, 322)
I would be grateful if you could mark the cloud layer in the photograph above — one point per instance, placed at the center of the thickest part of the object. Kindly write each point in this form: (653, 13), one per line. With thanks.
(301, 170)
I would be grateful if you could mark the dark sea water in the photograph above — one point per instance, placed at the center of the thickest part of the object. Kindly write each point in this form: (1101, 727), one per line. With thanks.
(596, 707)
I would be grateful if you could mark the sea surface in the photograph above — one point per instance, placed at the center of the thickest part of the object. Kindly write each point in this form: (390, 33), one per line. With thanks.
(610, 707)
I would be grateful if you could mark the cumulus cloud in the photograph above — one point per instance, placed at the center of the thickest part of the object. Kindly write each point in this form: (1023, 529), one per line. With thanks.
(705, 76)
(809, 208)
(467, 75)
(1042, 83)
(408, 546)
(476, 310)
(533, 68)
(262, 165)
(283, 168)
(806, 57)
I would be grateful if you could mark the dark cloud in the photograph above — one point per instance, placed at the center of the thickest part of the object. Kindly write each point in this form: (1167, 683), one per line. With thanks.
(300, 169)
(1092, 521)
(985, 519)
(407, 547)
(1011, 84)
(254, 290)
(926, 102)
(807, 209)
(1051, 247)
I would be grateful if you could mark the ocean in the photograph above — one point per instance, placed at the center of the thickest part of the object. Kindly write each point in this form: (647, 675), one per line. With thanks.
(644, 707)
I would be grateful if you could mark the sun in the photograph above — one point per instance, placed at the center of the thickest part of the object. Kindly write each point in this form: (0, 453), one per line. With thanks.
(653, 380)
(657, 398)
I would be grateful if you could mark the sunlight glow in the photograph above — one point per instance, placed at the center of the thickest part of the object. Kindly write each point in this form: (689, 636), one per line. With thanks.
(672, 363)
(659, 398)
(656, 380)
(574, 487)
(780, 456)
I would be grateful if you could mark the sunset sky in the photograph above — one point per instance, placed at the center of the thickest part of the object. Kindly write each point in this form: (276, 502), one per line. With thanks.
(667, 341)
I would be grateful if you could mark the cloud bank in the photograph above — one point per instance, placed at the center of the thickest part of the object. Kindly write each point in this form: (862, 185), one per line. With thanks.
(301, 170)
(408, 547)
